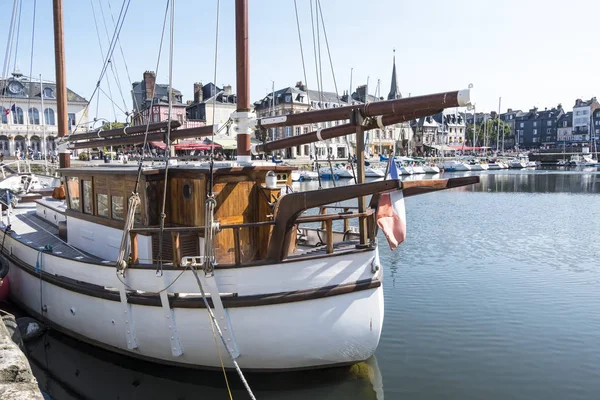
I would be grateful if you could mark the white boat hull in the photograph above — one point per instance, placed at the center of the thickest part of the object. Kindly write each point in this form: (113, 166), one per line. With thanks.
(374, 173)
(317, 332)
(418, 169)
(431, 169)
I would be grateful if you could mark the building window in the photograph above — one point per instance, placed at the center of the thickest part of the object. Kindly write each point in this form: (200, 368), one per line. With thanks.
(180, 118)
(549, 130)
(585, 112)
(49, 117)
(564, 124)
(48, 93)
(102, 205)
(297, 130)
(117, 207)
(549, 123)
(534, 123)
(288, 131)
(34, 116)
(535, 131)
(87, 197)
(288, 98)
(3, 116)
(521, 125)
(305, 129)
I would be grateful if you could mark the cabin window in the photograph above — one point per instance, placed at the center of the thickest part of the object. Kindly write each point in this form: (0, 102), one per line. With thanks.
(117, 207)
(102, 205)
(73, 187)
(87, 197)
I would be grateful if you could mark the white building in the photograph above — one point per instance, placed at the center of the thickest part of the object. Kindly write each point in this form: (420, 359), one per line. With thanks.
(290, 100)
(582, 113)
(28, 114)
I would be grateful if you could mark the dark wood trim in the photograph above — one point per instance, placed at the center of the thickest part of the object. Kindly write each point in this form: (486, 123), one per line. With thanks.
(234, 301)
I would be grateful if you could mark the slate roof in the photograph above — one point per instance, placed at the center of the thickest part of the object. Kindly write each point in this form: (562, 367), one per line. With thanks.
(32, 89)
(566, 117)
(161, 94)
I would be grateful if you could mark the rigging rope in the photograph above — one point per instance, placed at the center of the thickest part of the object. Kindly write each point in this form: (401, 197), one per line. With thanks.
(112, 60)
(216, 324)
(145, 143)
(167, 140)
(111, 48)
(7, 56)
(337, 93)
(112, 17)
(18, 34)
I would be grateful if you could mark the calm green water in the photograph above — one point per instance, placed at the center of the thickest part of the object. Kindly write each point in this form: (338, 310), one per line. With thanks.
(495, 294)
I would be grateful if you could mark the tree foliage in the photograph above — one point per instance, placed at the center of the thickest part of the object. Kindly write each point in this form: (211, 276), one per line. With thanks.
(492, 131)
(112, 125)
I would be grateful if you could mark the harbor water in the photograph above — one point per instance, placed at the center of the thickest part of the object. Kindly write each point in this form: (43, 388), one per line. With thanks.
(495, 294)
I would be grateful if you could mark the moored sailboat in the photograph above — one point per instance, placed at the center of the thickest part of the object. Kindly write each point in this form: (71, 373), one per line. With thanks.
(137, 256)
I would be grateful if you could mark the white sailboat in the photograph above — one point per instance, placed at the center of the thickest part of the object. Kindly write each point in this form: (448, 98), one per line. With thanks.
(159, 261)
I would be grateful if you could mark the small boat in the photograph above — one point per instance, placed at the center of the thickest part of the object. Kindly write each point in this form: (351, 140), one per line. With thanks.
(516, 163)
(455, 165)
(371, 172)
(404, 169)
(431, 169)
(303, 175)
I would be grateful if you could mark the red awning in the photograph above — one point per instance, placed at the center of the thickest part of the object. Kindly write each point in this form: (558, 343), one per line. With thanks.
(196, 146)
(466, 148)
(159, 145)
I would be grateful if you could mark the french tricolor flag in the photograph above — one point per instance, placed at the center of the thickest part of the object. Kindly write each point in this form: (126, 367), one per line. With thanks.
(391, 214)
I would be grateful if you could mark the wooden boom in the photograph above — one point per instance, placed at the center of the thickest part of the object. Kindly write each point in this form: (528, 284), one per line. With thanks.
(152, 137)
(337, 131)
(130, 130)
(406, 105)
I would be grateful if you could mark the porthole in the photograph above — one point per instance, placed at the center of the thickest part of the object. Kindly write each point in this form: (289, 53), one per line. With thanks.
(284, 177)
(187, 190)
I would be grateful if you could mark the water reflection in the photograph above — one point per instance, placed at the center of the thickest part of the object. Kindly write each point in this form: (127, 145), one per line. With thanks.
(582, 180)
(67, 369)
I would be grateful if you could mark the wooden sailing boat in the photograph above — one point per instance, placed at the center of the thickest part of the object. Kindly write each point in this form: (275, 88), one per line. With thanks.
(107, 267)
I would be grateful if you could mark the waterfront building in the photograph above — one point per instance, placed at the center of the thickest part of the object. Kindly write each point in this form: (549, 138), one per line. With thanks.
(564, 131)
(549, 125)
(208, 96)
(451, 129)
(151, 100)
(28, 114)
(297, 99)
(582, 115)
(425, 134)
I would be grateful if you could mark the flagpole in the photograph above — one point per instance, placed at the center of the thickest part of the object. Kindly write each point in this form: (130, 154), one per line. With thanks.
(43, 125)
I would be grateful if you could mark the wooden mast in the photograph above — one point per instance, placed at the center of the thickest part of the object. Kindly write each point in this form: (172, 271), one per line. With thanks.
(61, 79)
(243, 79)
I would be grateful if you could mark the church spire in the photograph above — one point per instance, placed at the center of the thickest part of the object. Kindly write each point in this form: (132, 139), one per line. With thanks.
(394, 92)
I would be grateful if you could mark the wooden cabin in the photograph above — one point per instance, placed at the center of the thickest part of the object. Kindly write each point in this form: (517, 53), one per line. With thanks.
(99, 195)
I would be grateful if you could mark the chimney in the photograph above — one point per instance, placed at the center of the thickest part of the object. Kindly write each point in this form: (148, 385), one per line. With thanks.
(149, 82)
(361, 91)
(301, 86)
(509, 110)
(227, 90)
(198, 92)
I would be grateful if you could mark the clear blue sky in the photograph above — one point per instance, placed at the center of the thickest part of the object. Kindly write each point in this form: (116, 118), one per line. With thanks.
(529, 52)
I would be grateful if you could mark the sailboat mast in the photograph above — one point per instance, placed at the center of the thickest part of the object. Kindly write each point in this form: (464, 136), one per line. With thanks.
(61, 79)
(243, 79)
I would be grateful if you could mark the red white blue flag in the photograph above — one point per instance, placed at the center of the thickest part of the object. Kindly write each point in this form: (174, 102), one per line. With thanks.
(391, 214)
